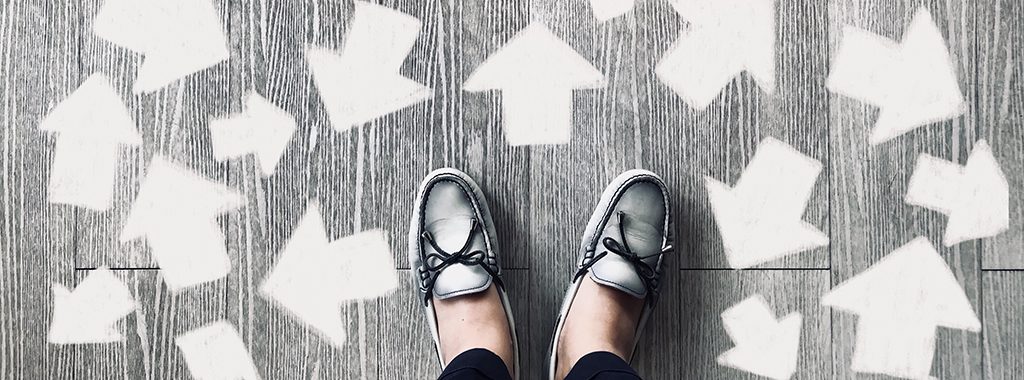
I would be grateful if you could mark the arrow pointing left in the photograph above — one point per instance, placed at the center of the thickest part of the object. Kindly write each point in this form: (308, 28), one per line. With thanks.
(90, 313)
(313, 277)
(91, 125)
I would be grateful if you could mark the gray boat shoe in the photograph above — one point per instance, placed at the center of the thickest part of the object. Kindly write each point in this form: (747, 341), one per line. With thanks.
(623, 246)
(453, 249)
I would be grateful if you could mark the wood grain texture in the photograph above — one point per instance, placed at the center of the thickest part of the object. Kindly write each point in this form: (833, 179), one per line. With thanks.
(1001, 117)
(869, 217)
(705, 295)
(1003, 328)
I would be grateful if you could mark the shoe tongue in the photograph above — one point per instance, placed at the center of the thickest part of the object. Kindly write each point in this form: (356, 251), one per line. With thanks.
(457, 279)
(615, 271)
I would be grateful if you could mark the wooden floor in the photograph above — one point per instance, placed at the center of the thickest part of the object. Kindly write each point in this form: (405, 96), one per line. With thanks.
(365, 178)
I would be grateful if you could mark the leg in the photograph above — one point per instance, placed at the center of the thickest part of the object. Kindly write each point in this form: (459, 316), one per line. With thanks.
(476, 364)
(602, 365)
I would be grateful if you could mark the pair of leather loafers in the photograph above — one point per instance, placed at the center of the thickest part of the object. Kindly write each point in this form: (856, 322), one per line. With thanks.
(453, 248)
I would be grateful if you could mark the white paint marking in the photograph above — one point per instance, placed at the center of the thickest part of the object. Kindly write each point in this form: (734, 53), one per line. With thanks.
(178, 37)
(537, 73)
(764, 346)
(91, 125)
(313, 278)
(605, 10)
(725, 38)
(263, 129)
(176, 211)
(760, 219)
(90, 313)
(900, 300)
(216, 352)
(914, 82)
(976, 197)
(363, 82)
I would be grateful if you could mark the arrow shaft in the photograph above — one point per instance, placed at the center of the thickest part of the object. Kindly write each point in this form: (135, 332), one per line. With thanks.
(537, 116)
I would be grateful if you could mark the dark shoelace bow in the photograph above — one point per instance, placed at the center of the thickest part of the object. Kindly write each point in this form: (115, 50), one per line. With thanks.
(648, 274)
(428, 272)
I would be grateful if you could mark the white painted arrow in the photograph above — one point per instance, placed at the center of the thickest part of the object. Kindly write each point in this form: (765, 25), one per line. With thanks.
(263, 129)
(764, 346)
(976, 197)
(536, 72)
(178, 37)
(91, 125)
(216, 352)
(363, 82)
(900, 301)
(176, 211)
(605, 10)
(90, 313)
(313, 278)
(760, 219)
(725, 38)
(914, 82)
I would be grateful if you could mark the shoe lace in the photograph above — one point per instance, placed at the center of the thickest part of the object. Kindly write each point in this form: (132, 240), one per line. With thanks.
(429, 272)
(647, 273)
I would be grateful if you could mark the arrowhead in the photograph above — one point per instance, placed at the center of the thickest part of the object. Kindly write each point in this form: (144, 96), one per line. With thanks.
(94, 112)
(535, 58)
(90, 313)
(913, 283)
(726, 37)
(760, 218)
(215, 351)
(605, 10)
(313, 278)
(263, 129)
(764, 346)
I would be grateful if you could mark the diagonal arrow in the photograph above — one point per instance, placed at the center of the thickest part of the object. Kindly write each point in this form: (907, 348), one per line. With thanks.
(178, 37)
(91, 125)
(900, 300)
(764, 346)
(914, 82)
(90, 313)
(725, 39)
(263, 129)
(976, 197)
(313, 277)
(537, 73)
(216, 352)
(760, 219)
(176, 212)
(363, 82)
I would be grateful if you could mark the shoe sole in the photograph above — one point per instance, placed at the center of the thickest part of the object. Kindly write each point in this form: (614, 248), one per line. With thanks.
(481, 207)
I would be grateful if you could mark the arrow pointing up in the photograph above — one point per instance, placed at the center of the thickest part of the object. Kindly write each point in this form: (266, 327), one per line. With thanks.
(313, 278)
(177, 37)
(536, 72)
(176, 211)
(976, 197)
(263, 129)
(216, 352)
(363, 82)
(764, 346)
(90, 124)
(725, 38)
(901, 300)
(90, 313)
(760, 219)
(914, 82)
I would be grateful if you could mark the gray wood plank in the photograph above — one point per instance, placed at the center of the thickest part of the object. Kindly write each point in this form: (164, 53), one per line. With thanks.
(1000, 117)
(706, 294)
(1003, 333)
(39, 46)
(868, 183)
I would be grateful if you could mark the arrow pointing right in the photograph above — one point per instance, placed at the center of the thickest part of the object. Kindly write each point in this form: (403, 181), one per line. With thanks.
(263, 129)
(760, 219)
(537, 73)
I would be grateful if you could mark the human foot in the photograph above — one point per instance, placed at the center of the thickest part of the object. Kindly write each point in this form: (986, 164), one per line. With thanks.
(617, 281)
(452, 254)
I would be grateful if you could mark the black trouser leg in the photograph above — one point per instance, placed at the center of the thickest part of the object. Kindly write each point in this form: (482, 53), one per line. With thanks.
(602, 365)
(476, 364)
